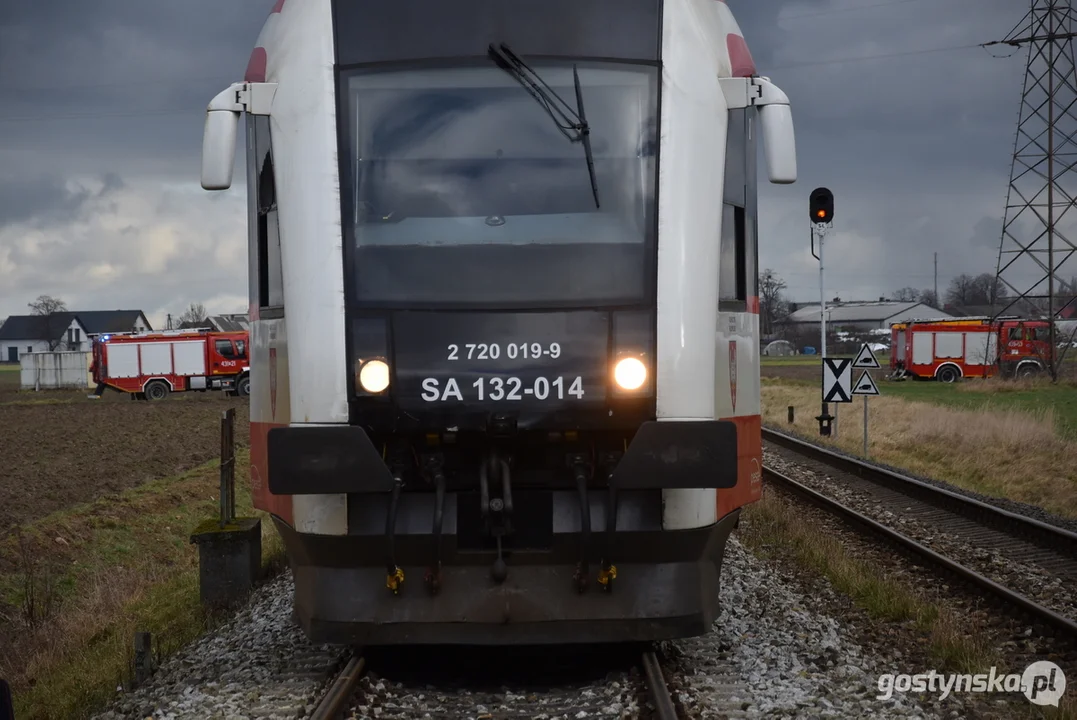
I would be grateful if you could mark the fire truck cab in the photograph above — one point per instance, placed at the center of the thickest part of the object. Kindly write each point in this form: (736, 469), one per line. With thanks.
(950, 349)
(152, 365)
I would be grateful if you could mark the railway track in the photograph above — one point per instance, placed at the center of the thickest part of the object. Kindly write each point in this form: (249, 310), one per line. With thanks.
(1026, 562)
(347, 696)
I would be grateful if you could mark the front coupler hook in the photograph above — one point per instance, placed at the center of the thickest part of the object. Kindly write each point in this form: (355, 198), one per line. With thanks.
(496, 511)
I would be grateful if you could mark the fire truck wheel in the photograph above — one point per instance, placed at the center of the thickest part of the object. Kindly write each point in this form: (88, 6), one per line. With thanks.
(156, 390)
(243, 387)
(947, 375)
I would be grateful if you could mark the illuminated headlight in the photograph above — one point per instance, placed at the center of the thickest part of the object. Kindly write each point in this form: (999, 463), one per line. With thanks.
(630, 373)
(374, 376)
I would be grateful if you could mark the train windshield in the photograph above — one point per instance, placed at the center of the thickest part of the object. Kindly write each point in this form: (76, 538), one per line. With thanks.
(463, 190)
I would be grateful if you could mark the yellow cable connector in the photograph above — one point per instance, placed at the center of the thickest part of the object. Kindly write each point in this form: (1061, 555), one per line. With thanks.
(604, 576)
(395, 580)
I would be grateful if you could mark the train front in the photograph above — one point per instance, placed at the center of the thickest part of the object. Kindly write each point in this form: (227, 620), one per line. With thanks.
(504, 397)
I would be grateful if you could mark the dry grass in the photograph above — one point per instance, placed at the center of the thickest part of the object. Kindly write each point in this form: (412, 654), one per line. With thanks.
(1000, 385)
(1003, 453)
(774, 525)
(114, 566)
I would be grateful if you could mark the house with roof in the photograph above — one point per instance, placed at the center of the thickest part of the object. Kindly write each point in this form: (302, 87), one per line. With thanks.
(73, 331)
(861, 316)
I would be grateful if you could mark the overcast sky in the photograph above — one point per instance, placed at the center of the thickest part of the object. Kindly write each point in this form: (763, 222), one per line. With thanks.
(101, 111)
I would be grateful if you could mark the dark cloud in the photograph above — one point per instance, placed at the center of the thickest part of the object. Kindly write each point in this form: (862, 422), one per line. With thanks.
(101, 112)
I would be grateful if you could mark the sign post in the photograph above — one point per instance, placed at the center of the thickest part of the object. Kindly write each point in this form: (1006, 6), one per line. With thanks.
(864, 361)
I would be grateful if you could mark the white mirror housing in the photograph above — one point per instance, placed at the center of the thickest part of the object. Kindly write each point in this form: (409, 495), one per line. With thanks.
(221, 128)
(775, 120)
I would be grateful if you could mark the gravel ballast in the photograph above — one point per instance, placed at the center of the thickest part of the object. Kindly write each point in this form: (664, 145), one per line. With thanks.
(772, 653)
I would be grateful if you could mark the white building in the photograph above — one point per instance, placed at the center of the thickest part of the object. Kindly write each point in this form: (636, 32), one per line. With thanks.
(72, 331)
(861, 315)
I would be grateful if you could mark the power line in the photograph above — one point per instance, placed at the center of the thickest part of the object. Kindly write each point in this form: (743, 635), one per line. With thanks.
(849, 9)
(200, 110)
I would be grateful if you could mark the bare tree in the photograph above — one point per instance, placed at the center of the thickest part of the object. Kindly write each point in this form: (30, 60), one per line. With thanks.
(906, 294)
(47, 306)
(928, 297)
(772, 304)
(194, 315)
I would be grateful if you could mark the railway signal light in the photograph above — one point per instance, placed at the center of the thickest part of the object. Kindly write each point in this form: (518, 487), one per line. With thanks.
(821, 205)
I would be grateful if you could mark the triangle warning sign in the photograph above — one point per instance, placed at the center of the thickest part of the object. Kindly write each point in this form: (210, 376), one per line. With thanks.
(865, 358)
(865, 385)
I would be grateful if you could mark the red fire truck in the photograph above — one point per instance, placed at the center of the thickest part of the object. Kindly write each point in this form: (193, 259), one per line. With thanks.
(151, 365)
(951, 349)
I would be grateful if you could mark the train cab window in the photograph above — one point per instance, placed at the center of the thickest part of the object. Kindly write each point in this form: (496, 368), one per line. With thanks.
(733, 256)
(241, 348)
(267, 284)
(1015, 334)
(1040, 334)
(224, 348)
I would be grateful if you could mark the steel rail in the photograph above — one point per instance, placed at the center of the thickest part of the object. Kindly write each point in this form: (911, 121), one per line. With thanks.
(1044, 534)
(659, 691)
(333, 702)
(1049, 617)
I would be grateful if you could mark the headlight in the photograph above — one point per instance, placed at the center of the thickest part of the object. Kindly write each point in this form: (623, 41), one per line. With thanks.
(630, 373)
(374, 376)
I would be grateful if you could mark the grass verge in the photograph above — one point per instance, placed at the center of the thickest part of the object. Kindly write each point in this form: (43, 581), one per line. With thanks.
(76, 585)
(999, 449)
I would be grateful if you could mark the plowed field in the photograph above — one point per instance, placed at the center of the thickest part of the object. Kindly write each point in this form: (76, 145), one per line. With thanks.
(59, 448)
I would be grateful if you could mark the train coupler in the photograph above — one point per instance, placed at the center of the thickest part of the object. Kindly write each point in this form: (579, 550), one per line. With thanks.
(496, 511)
(582, 472)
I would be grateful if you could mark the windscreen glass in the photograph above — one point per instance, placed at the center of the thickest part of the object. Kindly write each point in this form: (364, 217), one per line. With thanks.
(463, 190)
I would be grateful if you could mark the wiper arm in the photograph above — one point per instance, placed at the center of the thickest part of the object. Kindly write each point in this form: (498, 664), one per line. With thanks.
(585, 135)
(566, 119)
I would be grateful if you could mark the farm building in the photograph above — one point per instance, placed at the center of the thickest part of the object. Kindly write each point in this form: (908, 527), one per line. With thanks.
(68, 331)
(859, 315)
(235, 322)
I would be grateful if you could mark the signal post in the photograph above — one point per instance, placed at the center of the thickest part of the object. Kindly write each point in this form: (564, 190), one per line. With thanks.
(821, 212)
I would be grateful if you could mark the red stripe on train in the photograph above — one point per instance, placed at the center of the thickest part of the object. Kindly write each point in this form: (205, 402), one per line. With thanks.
(256, 66)
(749, 485)
(280, 505)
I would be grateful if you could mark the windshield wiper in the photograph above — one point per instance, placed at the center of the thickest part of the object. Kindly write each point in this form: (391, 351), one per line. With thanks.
(572, 120)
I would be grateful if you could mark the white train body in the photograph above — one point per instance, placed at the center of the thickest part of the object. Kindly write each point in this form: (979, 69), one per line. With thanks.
(417, 217)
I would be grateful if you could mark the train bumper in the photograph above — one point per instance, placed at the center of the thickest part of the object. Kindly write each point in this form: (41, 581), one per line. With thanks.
(494, 552)
(667, 587)
(323, 460)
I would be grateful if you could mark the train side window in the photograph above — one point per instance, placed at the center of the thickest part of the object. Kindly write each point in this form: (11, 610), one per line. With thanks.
(267, 276)
(1015, 334)
(241, 348)
(224, 348)
(732, 272)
